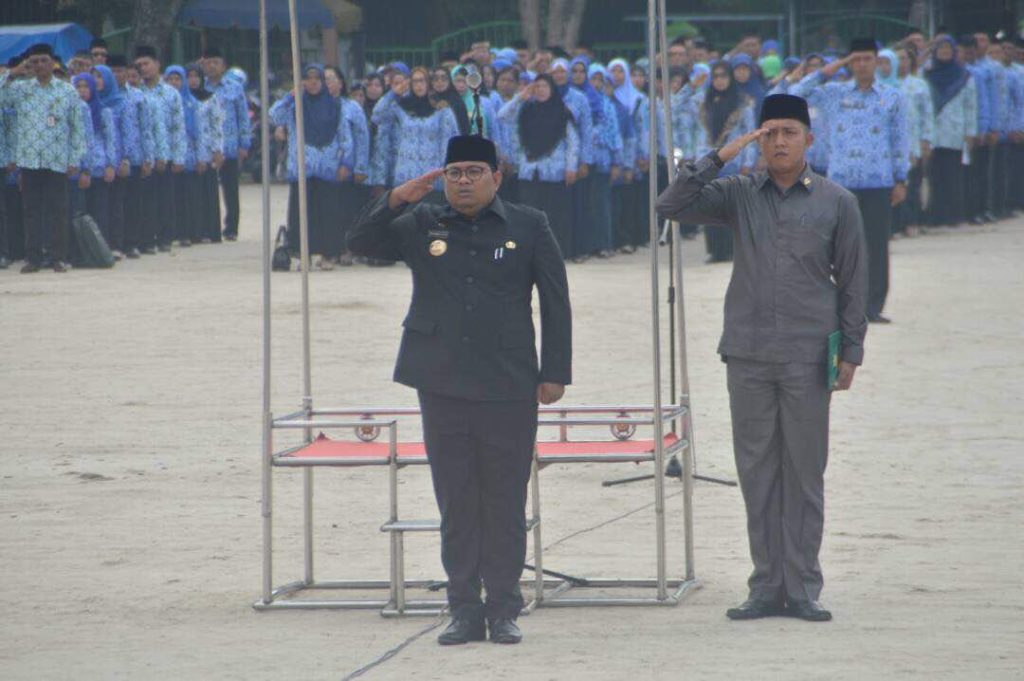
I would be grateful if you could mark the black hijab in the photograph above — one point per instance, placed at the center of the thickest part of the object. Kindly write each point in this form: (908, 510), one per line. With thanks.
(542, 125)
(370, 103)
(202, 94)
(454, 99)
(719, 106)
(320, 113)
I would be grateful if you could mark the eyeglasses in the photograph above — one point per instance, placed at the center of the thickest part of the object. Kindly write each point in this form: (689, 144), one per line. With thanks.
(472, 173)
(99, 53)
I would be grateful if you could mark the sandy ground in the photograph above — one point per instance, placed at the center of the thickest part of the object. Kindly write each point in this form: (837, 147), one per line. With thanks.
(129, 499)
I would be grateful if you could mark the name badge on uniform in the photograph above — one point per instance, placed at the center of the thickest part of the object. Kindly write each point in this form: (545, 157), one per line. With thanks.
(51, 120)
(438, 247)
(510, 245)
(499, 253)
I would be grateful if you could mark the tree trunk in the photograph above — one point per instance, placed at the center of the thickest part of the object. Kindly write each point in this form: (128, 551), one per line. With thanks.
(152, 25)
(564, 20)
(529, 16)
(918, 14)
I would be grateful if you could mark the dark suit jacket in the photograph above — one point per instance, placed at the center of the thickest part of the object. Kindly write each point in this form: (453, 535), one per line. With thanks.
(469, 332)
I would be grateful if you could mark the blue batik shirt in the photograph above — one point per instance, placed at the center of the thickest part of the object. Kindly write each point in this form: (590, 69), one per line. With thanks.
(321, 162)
(579, 106)
(237, 131)
(48, 131)
(101, 144)
(551, 168)
(606, 139)
(867, 131)
(358, 158)
(169, 115)
(420, 142)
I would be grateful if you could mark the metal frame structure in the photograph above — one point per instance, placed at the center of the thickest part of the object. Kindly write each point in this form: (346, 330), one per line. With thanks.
(368, 422)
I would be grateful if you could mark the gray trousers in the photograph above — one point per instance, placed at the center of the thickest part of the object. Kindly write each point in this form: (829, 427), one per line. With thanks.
(780, 439)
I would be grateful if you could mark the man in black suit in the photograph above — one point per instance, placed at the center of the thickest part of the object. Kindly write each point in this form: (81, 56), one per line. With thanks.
(468, 348)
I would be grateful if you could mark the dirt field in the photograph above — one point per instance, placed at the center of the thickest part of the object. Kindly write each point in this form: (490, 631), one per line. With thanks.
(129, 497)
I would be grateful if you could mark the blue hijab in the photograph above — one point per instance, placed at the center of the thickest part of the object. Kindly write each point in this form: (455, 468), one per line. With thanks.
(94, 101)
(946, 78)
(893, 79)
(595, 98)
(188, 102)
(320, 113)
(626, 96)
(111, 95)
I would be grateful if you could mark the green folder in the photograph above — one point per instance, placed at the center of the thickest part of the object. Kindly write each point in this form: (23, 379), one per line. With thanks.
(835, 344)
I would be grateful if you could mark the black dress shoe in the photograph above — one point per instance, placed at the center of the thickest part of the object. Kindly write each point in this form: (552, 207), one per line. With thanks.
(463, 630)
(808, 610)
(30, 268)
(133, 254)
(164, 248)
(754, 609)
(879, 319)
(504, 630)
(228, 236)
(148, 250)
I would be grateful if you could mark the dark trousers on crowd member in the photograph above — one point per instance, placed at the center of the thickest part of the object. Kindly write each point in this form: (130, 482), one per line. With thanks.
(978, 182)
(210, 218)
(350, 198)
(45, 204)
(114, 231)
(321, 218)
(946, 195)
(14, 222)
(583, 239)
(780, 415)
(188, 219)
(1016, 173)
(158, 200)
(1000, 179)
(599, 215)
(168, 198)
(876, 210)
(555, 199)
(480, 455)
(136, 189)
(97, 204)
(229, 186)
(909, 212)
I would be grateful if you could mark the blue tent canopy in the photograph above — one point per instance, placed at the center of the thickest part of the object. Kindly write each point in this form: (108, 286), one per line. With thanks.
(246, 14)
(65, 38)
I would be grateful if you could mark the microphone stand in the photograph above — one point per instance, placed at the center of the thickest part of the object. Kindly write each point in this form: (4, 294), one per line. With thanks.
(478, 117)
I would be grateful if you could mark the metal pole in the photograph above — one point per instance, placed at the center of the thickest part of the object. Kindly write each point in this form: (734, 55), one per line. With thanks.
(307, 387)
(266, 507)
(792, 10)
(652, 197)
(670, 164)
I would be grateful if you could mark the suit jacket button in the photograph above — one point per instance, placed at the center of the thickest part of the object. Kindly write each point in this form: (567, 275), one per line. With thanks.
(469, 308)
(469, 279)
(476, 228)
(465, 339)
(472, 251)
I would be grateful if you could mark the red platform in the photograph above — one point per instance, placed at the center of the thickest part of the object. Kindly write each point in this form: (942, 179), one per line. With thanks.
(367, 453)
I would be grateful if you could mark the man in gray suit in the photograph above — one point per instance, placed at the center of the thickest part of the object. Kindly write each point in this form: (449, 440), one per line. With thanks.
(800, 274)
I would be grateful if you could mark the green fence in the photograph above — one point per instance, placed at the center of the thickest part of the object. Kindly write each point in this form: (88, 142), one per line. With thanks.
(605, 52)
(848, 25)
(498, 33)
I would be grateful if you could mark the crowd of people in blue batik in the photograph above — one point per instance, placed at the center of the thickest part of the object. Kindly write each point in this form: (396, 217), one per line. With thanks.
(928, 132)
(141, 150)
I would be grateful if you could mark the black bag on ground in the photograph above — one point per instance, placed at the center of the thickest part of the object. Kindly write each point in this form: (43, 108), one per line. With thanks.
(282, 260)
(93, 250)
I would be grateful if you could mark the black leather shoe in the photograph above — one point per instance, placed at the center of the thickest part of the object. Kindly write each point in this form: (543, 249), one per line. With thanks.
(504, 630)
(754, 609)
(4, 263)
(879, 319)
(808, 610)
(30, 268)
(463, 630)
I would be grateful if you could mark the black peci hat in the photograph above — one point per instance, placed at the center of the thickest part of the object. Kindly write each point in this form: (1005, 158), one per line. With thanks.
(39, 48)
(785, 106)
(145, 51)
(864, 45)
(471, 148)
(115, 61)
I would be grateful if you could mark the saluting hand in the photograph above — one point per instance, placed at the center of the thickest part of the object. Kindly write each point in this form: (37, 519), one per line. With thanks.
(413, 191)
(733, 149)
(549, 393)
